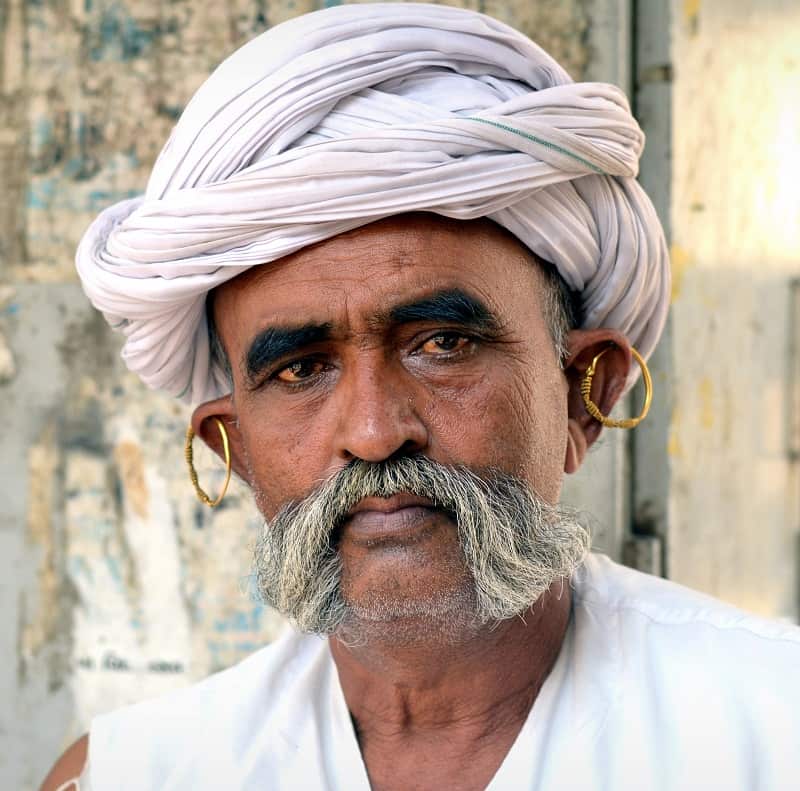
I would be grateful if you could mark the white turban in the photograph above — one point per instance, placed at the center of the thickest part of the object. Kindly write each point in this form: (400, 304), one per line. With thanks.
(341, 117)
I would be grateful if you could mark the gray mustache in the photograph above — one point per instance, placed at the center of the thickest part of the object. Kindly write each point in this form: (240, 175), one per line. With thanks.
(514, 544)
(417, 476)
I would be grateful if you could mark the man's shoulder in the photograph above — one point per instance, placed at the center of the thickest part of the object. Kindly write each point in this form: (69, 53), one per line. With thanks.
(674, 689)
(159, 734)
(635, 600)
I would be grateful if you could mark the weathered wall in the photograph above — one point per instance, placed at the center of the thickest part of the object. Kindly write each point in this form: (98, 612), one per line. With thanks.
(735, 492)
(114, 582)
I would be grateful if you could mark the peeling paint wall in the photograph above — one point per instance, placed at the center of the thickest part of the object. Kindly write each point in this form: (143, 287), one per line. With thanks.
(735, 492)
(120, 584)
(115, 583)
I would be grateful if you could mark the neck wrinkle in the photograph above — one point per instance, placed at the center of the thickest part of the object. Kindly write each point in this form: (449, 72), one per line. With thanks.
(468, 689)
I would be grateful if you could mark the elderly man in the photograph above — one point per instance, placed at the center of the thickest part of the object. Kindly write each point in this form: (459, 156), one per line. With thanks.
(401, 263)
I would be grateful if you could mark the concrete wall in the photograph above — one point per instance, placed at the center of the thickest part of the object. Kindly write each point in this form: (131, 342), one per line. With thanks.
(735, 491)
(115, 583)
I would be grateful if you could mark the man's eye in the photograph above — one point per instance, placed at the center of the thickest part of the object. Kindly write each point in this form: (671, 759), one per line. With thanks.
(299, 371)
(445, 343)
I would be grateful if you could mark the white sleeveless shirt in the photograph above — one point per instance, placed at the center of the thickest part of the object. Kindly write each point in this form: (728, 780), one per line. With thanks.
(656, 688)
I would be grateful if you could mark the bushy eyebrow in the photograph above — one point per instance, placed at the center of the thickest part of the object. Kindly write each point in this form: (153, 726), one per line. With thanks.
(276, 343)
(451, 306)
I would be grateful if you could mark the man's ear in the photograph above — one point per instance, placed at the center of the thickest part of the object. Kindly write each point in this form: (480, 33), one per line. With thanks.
(207, 429)
(607, 386)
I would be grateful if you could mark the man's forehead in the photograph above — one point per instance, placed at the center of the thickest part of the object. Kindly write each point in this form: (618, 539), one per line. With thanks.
(406, 256)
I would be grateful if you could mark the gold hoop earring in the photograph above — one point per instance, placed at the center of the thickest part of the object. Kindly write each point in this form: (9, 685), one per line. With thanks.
(201, 495)
(593, 409)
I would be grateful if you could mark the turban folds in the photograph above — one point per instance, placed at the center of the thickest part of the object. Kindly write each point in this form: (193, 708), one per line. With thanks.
(344, 116)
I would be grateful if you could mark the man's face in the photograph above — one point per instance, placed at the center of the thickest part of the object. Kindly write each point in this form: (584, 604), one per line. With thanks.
(411, 336)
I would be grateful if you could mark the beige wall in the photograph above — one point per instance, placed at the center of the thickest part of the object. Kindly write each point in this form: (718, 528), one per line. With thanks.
(735, 492)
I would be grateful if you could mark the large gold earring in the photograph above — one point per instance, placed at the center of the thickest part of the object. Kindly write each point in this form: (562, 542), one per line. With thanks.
(201, 495)
(592, 408)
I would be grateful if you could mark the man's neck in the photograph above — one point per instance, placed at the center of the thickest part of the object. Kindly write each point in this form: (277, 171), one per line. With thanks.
(444, 701)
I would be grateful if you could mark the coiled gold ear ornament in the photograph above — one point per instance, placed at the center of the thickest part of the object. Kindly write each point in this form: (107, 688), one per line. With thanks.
(188, 452)
(592, 408)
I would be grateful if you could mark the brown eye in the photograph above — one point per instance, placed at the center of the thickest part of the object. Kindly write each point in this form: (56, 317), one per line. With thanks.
(445, 343)
(299, 371)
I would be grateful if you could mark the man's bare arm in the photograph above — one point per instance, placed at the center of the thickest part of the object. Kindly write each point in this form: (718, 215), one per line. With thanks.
(69, 766)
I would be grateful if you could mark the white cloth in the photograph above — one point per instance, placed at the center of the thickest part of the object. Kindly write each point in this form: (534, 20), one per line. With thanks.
(656, 687)
(341, 117)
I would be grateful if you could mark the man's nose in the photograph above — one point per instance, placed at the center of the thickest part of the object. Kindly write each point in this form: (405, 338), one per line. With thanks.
(378, 418)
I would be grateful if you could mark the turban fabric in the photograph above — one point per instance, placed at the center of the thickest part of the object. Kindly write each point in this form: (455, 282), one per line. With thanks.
(344, 116)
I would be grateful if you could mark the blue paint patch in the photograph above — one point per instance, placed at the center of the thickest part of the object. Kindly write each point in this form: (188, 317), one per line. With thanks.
(215, 649)
(119, 37)
(12, 309)
(247, 647)
(331, 3)
(74, 167)
(78, 567)
(114, 570)
(41, 132)
(80, 131)
(240, 621)
(248, 584)
(40, 195)
(100, 199)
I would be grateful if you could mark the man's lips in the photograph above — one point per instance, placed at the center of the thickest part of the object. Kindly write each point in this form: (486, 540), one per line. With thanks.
(387, 505)
(393, 519)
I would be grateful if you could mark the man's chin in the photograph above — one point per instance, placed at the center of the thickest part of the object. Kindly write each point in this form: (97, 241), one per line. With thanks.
(415, 598)
(444, 617)
(405, 574)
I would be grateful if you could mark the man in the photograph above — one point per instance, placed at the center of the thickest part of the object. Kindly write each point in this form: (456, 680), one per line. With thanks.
(400, 263)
